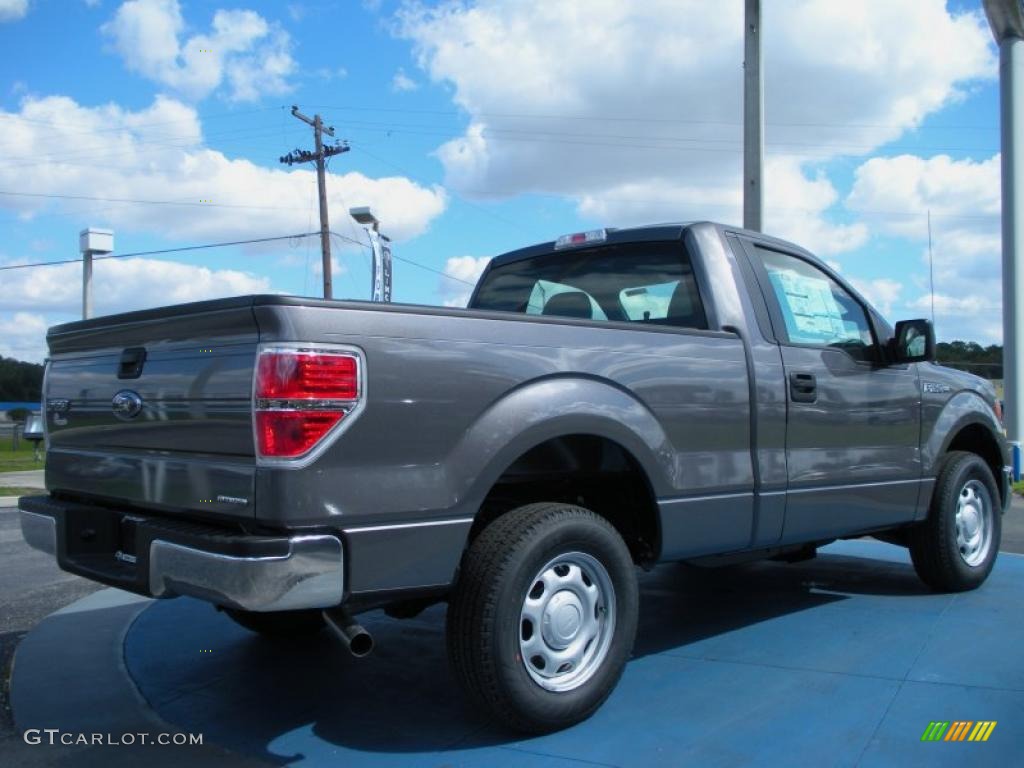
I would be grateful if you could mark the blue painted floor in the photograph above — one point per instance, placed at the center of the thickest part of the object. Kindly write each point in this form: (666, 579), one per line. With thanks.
(843, 660)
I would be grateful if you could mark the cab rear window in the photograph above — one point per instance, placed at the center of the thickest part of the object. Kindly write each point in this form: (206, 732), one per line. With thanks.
(650, 283)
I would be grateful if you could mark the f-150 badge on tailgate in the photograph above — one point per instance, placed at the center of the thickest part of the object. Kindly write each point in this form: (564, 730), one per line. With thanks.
(126, 404)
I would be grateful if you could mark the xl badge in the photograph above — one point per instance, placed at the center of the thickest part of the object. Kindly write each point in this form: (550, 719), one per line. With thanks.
(126, 405)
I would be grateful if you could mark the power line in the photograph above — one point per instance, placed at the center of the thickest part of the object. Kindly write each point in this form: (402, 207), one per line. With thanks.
(197, 117)
(180, 143)
(435, 271)
(163, 250)
(400, 169)
(148, 202)
(510, 222)
(645, 119)
(407, 260)
(585, 139)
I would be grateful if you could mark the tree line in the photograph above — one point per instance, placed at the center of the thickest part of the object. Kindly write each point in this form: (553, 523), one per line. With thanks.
(20, 381)
(971, 356)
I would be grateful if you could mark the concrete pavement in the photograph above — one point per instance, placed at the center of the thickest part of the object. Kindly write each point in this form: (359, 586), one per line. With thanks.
(32, 587)
(839, 661)
(32, 478)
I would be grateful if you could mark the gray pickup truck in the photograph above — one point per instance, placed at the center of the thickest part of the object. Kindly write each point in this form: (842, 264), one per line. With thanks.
(687, 392)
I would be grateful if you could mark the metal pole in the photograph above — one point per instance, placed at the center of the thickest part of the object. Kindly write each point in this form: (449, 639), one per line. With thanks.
(931, 266)
(325, 227)
(753, 118)
(1011, 84)
(86, 285)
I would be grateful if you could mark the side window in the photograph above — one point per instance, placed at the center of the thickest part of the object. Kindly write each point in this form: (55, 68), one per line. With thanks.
(816, 310)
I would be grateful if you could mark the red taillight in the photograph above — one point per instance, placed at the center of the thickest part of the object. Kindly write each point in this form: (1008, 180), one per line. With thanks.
(307, 376)
(300, 395)
(998, 408)
(287, 434)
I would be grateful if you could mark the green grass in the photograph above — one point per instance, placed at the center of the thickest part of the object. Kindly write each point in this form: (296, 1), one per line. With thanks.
(8, 490)
(1018, 487)
(20, 460)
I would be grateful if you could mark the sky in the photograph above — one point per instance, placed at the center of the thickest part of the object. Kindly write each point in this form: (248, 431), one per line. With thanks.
(479, 126)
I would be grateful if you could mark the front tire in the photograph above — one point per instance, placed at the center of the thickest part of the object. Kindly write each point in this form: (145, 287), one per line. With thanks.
(954, 549)
(544, 615)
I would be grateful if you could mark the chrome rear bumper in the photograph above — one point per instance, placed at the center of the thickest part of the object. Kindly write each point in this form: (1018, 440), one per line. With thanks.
(307, 572)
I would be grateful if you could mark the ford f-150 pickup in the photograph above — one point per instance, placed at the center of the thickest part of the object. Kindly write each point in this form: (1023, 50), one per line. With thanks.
(613, 399)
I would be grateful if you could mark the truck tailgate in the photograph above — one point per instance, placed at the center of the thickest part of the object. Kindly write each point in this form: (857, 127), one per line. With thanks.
(186, 373)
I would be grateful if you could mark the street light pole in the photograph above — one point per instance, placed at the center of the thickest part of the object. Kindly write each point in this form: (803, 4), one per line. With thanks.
(753, 117)
(1006, 17)
(92, 242)
(380, 246)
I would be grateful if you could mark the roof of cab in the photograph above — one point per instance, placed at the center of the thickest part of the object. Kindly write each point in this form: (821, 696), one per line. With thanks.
(645, 233)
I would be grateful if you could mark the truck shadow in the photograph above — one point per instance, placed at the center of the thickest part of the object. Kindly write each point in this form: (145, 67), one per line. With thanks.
(288, 701)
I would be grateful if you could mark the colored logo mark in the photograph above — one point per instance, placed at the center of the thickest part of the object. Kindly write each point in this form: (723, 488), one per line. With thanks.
(958, 730)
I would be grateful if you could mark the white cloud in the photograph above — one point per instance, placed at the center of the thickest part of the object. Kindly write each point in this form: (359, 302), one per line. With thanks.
(120, 285)
(796, 210)
(963, 192)
(13, 10)
(401, 82)
(242, 51)
(34, 299)
(883, 292)
(23, 335)
(329, 73)
(895, 195)
(463, 272)
(634, 109)
(158, 154)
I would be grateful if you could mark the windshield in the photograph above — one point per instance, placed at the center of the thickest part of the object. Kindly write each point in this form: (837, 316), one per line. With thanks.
(633, 282)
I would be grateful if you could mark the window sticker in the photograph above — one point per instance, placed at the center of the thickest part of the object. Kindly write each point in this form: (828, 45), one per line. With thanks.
(811, 312)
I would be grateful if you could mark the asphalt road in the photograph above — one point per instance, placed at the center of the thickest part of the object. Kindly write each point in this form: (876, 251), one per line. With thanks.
(32, 587)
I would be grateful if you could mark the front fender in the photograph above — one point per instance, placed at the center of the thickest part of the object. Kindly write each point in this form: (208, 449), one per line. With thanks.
(961, 410)
(553, 407)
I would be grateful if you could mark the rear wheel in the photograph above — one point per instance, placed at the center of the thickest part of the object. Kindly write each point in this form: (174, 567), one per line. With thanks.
(543, 618)
(954, 549)
(279, 625)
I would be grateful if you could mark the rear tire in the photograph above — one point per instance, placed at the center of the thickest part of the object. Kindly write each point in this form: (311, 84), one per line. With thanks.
(544, 615)
(279, 625)
(954, 549)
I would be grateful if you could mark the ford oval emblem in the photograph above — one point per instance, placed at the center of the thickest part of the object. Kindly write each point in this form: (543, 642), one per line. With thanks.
(126, 405)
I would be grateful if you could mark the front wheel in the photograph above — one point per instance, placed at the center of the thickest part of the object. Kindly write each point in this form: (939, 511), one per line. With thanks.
(544, 615)
(954, 549)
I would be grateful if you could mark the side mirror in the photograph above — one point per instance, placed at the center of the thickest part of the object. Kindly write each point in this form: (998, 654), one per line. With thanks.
(914, 342)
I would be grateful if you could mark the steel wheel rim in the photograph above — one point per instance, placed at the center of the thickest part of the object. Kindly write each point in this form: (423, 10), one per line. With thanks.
(974, 522)
(567, 621)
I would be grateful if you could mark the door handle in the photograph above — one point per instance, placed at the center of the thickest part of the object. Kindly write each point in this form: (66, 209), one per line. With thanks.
(803, 388)
(132, 360)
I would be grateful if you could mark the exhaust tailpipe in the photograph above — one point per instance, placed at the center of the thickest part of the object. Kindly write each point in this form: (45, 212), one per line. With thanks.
(352, 635)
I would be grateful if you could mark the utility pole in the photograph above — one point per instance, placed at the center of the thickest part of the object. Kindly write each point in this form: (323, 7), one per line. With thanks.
(319, 156)
(753, 117)
(1006, 18)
